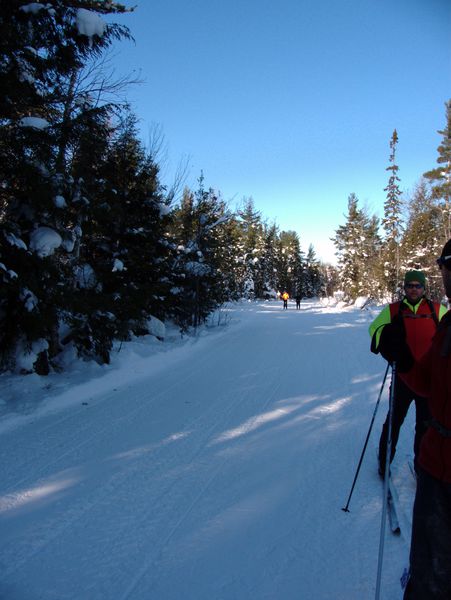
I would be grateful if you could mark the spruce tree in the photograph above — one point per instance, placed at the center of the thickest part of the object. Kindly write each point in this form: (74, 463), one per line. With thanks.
(314, 284)
(371, 260)
(253, 248)
(330, 280)
(123, 248)
(423, 237)
(270, 260)
(358, 246)
(291, 264)
(43, 48)
(347, 239)
(440, 177)
(392, 222)
(228, 240)
(196, 271)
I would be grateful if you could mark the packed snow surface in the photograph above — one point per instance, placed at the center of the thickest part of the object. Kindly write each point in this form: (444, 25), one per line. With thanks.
(212, 467)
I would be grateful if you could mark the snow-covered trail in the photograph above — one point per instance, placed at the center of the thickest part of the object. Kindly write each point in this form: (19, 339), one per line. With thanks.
(219, 476)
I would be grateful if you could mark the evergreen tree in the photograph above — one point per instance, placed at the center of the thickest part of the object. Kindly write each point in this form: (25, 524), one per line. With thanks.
(252, 249)
(270, 260)
(422, 240)
(197, 272)
(123, 248)
(291, 266)
(358, 251)
(392, 221)
(440, 177)
(347, 239)
(330, 280)
(183, 234)
(43, 48)
(228, 241)
(314, 284)
(372, 262)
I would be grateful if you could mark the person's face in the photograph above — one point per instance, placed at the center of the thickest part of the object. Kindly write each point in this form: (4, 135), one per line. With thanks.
(413, 290)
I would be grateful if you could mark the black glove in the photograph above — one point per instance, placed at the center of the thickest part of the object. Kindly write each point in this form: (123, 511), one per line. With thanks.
(393, 345)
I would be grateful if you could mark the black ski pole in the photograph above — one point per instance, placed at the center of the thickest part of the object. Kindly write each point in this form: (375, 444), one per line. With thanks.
(346, 508)
(386, 477)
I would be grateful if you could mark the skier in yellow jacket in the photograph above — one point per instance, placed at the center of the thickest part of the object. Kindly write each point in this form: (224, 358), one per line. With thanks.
(285, 297)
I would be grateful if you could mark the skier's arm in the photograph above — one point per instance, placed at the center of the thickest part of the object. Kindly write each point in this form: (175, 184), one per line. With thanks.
(389, 338)
(377, 326)
(442, 312)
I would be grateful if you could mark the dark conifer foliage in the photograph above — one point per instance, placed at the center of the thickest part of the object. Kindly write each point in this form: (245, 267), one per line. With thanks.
(314, 283)
(421, 243)
(200, 283)
(440, 177)
(44, 127)
(270, 261)
(123, 248)
(252, 249)
(291, 266)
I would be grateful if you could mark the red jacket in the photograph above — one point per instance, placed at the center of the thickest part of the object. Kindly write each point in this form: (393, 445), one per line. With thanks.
(420, 329)
(434, 382)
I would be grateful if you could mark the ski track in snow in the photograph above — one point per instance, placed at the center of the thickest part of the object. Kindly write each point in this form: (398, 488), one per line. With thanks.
(220, 476)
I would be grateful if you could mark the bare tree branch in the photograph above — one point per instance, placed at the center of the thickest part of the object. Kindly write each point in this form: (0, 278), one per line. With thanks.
(156, 145)
(98, 79)
(180, 176)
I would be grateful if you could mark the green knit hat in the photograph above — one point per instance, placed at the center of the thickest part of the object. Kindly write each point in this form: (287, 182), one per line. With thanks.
(415, 276)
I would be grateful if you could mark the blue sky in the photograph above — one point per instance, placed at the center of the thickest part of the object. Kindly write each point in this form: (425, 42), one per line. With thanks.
(293, 102)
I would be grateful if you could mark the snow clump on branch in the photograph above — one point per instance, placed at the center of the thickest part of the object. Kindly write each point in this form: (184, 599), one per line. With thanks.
(89, 24)
(44, 241)
(34, 122)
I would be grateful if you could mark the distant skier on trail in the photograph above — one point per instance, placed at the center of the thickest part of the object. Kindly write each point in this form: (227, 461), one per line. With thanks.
(430, 549)
(285, 297)
(298, 301)
(403, 332)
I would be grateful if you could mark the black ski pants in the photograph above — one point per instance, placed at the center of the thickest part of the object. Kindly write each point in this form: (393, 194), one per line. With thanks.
(402, 399)
(430, 548)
